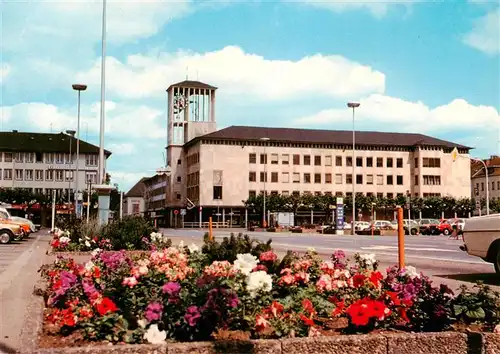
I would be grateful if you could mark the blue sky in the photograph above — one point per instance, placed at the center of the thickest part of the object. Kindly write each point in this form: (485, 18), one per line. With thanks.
(415, 66)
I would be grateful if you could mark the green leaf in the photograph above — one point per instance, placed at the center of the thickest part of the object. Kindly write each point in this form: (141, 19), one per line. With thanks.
(458, 309)
(477, 314)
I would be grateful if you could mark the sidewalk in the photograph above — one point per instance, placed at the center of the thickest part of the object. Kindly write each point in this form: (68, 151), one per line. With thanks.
(16, 293)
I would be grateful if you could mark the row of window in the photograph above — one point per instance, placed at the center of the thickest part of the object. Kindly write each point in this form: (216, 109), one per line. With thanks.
(326, 178)
(492, 186)
(38, 157)
(193, 159)
(49, 175)
(253, 193)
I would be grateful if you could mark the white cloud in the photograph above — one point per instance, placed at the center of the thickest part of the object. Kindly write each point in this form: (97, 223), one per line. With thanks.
(126, 180)
(122, 148)
(399, 115)
(5, 70)
(239, 73)
(376, 7)
(485, 35)
(126, 121)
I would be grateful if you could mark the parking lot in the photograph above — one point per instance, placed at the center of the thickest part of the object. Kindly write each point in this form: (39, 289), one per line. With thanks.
(12, 252)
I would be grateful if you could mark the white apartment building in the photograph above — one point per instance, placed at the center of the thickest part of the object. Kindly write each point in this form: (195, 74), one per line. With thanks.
(218, 170)
(45, 162)
(478, 178)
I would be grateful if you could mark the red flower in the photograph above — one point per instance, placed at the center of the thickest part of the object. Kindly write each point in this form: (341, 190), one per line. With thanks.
(86, 312)
(394, 297)
(307, 321)
(359, 313)
(276, 308)
(97, 272)
(404, 316)
(358, 280)
(339, 308)
(379, 310)
(308, 306)
(105, 305)
(375, 278)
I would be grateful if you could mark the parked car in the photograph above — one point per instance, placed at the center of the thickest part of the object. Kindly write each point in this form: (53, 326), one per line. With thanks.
(24, 220)
(6, 218)
(481, 236)
(429, 226)
(411, 227)
(383, 225)
(362, 225)
(10, 232)
(446, 227)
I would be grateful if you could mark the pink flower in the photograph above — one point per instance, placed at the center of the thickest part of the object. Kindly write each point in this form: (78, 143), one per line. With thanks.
(287, 277)
(324, 283)
(303, 277)
(130, 282)
(268, 256)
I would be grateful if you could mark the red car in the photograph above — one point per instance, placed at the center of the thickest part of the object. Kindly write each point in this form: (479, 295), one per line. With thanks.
(446, 226)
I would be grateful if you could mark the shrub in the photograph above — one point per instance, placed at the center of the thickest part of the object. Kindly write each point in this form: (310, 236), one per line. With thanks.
(128, 233)
(482, 306)
(230, 247)
(271, 229)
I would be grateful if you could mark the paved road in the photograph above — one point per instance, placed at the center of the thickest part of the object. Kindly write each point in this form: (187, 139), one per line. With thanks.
(10, 252)
(434, 255)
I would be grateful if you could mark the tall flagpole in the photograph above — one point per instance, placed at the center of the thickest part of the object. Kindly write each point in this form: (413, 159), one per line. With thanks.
(103, 96)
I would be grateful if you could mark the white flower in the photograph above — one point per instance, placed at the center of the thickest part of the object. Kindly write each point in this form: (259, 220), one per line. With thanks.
(259, 281)
(156, 237)
(245, 263)
(154, 336)
(89, 266)
(193, 248)
(95, 252)
(64, 239)
(311, 250)
(368, 258)
(181, 244)
(87, 243)
(142, 323)
(411, 272)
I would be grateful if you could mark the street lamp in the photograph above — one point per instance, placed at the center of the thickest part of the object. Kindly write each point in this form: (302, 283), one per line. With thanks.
(71, 133)
(487, 184)
(265, 178)
(103, 94)
(353, 105)
(79, 88)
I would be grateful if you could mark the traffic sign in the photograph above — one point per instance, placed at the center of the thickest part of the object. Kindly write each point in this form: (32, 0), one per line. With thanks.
(183, 212)
(176, 211)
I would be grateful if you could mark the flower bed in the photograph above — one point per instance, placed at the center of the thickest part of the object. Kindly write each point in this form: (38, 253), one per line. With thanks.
(182, 294)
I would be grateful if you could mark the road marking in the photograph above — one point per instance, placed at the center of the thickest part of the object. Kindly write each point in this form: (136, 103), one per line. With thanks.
(410, 249)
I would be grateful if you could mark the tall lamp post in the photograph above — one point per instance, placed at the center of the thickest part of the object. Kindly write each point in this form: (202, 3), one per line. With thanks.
(103, 95)
(487, 184)
(265, 140)
(71, 133)
(353, 105)
(79, 88)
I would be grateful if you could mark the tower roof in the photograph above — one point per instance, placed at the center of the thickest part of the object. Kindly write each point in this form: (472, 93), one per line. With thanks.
(192, 84)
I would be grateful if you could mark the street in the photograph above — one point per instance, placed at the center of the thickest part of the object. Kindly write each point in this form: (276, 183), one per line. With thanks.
(434, 255)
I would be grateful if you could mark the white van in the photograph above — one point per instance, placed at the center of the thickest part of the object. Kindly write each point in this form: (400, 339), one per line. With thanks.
(482, 238)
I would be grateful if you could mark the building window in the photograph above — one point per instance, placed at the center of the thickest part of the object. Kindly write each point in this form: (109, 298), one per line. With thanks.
(399, 162)
(482, 185)
(416, 162)
(7, 174)
(416, 180)
(389, 162)
(274, 192)
(252, 158)
(307, 178)
(359, 162)
(317, 178)
(59, 175)
(431, 162)
(178, 196)
(252, 194)
(60, 158)
(328, 178)
(348, 161)
(338, 178)
(178, 179)
(39, 175)
(285, 159)
(49, 157)
(399, 180)
(274, 177)
(390, 195)
(217, 193)
(263, 176)
(8, 157)
(348, 179)
(369, 194)
(317, 160)
(179, 162)
(252, 176)
(38, 191)
(359, 179)
(380, 162)
(49, 175)
(380, 180)
(91, 177)
(263, 159)
(285, 177)
(28, 157)
(307, 160)
(328, 160)
(498, 185)
(296, 177)
(38, 157)
(296, 159)
(285, 193)
(436, 181)
(69, 176)
(69, 158)
(19, 174)
(338, 160)
(274, 159)
(369, 162)
(91, 160)
(369, 179)
(18, 157)
(390, 180)
(29, 175)
(380, 195)
(493, 185)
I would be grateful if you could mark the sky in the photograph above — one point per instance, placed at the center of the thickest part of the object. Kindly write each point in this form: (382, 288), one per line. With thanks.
(415, 66)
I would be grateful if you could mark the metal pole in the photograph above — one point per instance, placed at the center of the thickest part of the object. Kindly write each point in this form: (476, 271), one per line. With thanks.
(103, 95)
(487, 189)
(265, 179)
(353, 174)
(312, 216)
(70, 170)
(121, 205)
(200, 211)
(53, 209)
(246, 218)
(88, 201)
(77, 155)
